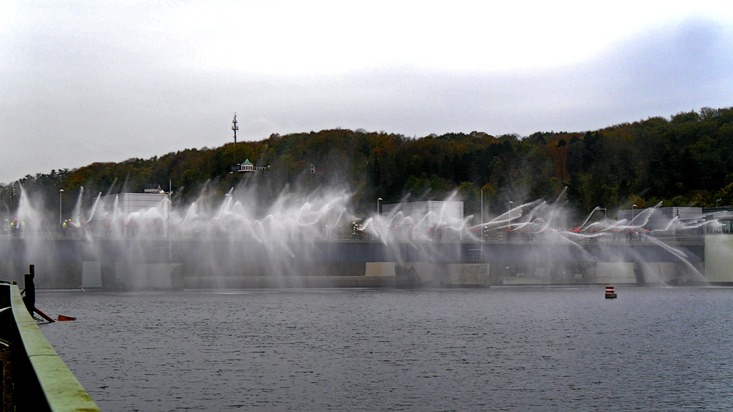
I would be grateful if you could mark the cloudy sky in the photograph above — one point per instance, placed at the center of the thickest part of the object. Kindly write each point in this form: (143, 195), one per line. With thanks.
(88, 81)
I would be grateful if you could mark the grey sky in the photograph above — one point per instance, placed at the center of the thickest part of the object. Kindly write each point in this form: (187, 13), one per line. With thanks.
(82, 82)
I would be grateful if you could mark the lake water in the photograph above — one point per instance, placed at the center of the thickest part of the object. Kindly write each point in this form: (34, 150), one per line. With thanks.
(362, 349)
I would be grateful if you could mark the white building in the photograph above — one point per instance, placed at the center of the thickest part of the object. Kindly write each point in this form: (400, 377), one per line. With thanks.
(128, 203)
(435, 211)
(248, 167)
(680, 218)
(432, 219)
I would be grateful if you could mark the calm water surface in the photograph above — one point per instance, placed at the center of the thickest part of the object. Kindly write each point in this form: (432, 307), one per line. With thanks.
(355, 349)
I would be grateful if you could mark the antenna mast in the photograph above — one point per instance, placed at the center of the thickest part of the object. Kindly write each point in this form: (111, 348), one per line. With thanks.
(235, 128)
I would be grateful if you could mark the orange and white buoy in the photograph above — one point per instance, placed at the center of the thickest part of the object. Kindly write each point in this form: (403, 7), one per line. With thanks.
(610, 292)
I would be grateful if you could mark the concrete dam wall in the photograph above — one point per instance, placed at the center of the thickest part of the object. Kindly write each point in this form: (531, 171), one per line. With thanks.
(123, 264)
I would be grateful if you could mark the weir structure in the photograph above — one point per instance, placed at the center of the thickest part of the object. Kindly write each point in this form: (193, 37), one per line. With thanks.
(118, 264)
(34, 378)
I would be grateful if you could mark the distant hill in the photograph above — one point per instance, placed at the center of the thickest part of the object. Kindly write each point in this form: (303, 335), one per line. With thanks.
(684, 160)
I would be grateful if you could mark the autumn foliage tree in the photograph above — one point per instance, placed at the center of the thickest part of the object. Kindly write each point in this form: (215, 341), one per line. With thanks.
(685, 160)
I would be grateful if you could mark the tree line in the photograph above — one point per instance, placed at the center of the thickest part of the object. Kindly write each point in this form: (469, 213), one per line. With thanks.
(684, 160)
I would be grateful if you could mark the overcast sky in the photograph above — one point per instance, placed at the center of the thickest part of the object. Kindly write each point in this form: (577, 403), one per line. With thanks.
(96, 81)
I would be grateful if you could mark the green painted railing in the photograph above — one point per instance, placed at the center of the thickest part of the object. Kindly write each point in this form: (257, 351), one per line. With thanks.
(41, 380)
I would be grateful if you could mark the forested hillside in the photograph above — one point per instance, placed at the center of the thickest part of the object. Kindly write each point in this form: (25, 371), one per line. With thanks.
(685, 160)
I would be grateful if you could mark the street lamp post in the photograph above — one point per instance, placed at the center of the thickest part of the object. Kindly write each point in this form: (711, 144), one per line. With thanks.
(482, 205)
(61, 206)
(379, 199)
(632, 212)
(509, 227)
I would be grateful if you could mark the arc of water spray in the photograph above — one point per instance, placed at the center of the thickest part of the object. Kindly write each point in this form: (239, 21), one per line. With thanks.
(582, 225)
(76, 213)
(94, 207)
(646, 213)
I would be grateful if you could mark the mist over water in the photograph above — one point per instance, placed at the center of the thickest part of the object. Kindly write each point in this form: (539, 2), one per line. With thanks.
(305, 219)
